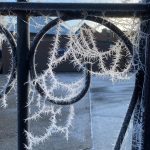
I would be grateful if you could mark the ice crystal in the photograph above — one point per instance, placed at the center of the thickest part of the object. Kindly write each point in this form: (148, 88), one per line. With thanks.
(81, 49)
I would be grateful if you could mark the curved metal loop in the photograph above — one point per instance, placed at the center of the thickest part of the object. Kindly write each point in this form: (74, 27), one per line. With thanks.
(54, 22)
(77, 97)
(13, 45)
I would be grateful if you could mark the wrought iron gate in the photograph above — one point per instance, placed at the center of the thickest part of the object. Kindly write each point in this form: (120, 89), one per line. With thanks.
(23, 53)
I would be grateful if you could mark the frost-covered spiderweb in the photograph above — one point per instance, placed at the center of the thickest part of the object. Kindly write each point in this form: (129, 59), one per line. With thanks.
(8, 44)
(80, 49)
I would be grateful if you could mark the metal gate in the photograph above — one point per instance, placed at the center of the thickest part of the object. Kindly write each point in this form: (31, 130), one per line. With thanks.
(23, 53)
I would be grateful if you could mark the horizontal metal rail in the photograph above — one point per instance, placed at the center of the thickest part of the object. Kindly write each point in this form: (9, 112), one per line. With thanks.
(100, 9)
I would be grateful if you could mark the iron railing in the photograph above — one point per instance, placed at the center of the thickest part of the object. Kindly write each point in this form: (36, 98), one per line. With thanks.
(23, 54)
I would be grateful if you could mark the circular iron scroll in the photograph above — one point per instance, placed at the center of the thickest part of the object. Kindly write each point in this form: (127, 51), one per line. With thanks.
(12, 43)
(54, 22)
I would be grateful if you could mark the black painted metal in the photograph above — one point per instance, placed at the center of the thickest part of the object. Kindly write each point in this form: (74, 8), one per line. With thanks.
(70, 11)
(137, 115)
(145, 27)
(22, 76)
(75, 99)
(138, 87)
(146, 93)
(143, 103)
(100, 9)
(12, 43)
(40, 35)
(33, 74)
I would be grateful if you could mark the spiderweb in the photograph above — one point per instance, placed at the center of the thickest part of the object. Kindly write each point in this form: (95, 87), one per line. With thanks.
(81, 49)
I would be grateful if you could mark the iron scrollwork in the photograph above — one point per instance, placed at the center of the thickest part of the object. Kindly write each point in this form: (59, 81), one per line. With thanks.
(139, 76)
(12, 76)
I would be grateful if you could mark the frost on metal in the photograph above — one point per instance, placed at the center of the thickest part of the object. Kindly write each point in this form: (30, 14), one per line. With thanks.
(81, 49)
(138, 127)
(3, 39)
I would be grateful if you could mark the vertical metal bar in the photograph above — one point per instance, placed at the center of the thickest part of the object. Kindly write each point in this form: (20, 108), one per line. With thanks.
(145, 109)
(140, 77)
(22, 76)
(139, 84)
(143, 105)
(146, 95)
(146, 136)
(146, 88)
